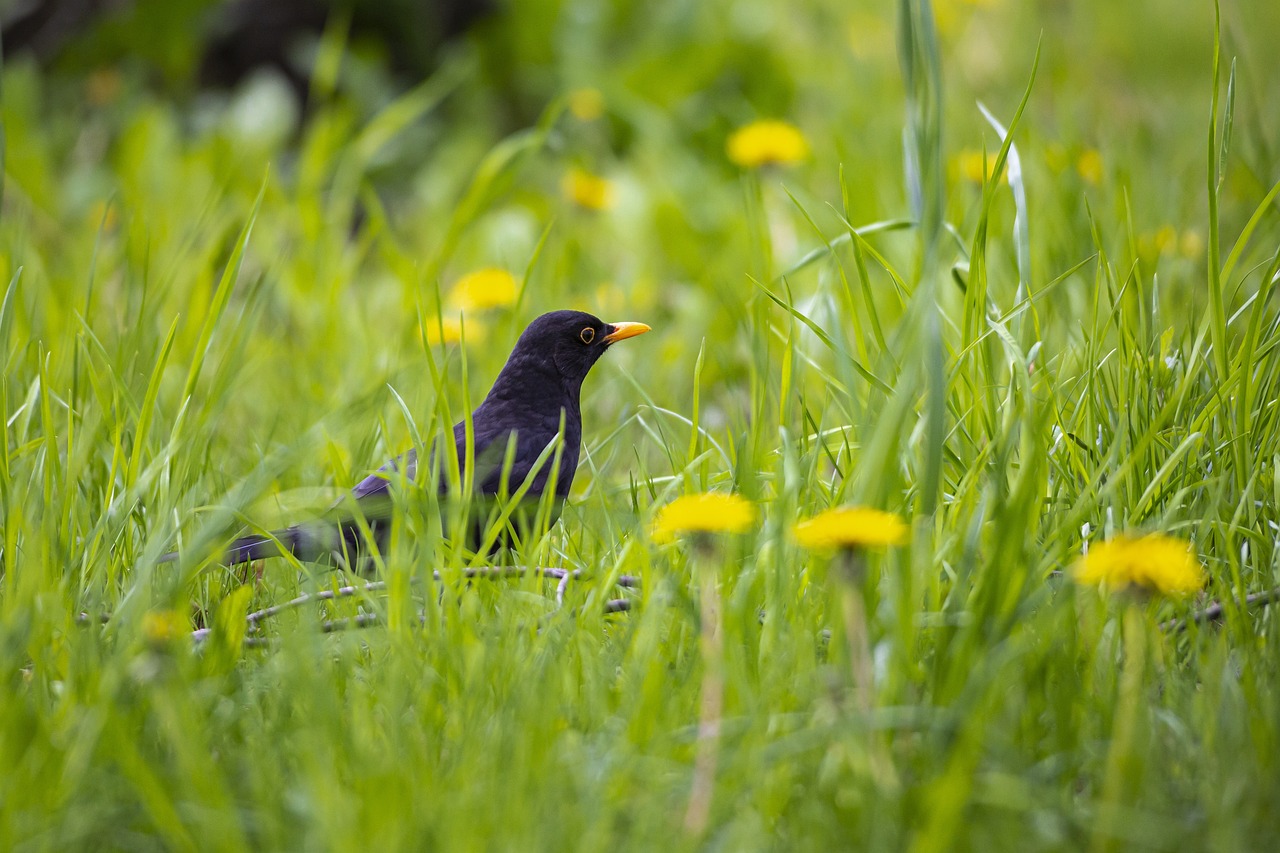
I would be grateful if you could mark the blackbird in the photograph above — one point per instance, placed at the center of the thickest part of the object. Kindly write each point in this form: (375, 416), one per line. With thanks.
(539, 386)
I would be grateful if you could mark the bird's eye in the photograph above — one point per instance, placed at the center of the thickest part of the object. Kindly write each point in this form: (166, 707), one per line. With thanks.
(587, 335)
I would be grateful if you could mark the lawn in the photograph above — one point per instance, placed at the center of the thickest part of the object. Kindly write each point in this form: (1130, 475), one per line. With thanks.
(1004, 271)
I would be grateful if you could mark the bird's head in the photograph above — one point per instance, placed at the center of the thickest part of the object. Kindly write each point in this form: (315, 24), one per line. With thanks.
(570, 342)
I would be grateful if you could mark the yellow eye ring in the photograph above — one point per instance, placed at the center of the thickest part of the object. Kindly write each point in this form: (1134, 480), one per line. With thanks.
(587, 335)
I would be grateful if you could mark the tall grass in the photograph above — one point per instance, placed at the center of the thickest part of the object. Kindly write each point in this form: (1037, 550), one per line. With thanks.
(208, 327)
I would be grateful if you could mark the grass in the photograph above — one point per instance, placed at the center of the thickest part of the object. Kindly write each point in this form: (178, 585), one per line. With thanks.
(212, 323)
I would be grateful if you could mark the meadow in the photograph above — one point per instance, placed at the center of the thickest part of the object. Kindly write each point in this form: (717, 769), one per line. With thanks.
(1005, 271)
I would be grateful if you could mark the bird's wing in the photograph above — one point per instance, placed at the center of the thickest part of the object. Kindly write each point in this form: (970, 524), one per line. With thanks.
(490, 451)
(489, 447)
(378, 484)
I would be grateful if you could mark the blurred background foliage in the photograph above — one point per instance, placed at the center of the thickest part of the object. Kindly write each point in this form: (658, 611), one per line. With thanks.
(337, 120)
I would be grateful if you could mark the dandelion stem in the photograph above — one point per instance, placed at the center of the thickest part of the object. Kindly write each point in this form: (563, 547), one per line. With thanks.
(712, 644)
(851, 569)
(1122, 760)
(851, 573)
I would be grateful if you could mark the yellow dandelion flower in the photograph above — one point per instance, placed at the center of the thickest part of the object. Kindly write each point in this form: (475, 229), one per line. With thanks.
(951, 14)
(163, 626)
(447, 331)
(586, 190)
(974, 165)
(869, 36)
(609, 299)
(586, 104)
(1156, 562)
(1153, 244)
(102, 215)
(1089, 165)
(710, 512)
(1191, 244)
(851, 527)
(767, 143)
(483, 289)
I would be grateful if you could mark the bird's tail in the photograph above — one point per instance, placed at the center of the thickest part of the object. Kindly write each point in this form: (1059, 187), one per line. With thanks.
(307, 542)
(246, 549)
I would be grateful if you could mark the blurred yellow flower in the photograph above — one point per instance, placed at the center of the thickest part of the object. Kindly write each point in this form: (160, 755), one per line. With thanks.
(710, 512)
(974, 165)
(1156, 562)
(766, 143)
(163, 626)
(610, 299)
(449, 331)
(1191, 244)
(850, 527)
(1167, 240)
(1153, 244)
(587, 190)
(486, 288)
(869, 35)
(1089, 165)
(949, 14)
(586, 104)
(102, 215)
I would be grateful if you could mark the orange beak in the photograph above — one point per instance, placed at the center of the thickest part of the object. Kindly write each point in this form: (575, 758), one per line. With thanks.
(622, 331)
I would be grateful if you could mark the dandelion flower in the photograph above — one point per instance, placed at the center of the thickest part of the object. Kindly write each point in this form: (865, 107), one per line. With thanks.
(485, 288)
(586, 190)
(975, 166)
(952, 14)
(711, 512)
(163, 626)
(1191, 244)
(1153, 244)
(447, 331)
(103, 215)
(767, 143)
(586, 104)
(1157, 562)
(1089, 165)
(851, 527)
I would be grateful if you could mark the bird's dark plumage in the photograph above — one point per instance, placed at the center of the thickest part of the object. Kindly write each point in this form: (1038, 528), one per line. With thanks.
(540, 384)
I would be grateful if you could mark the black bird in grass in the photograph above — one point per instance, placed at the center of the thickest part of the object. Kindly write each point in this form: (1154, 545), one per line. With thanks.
(539, 386)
